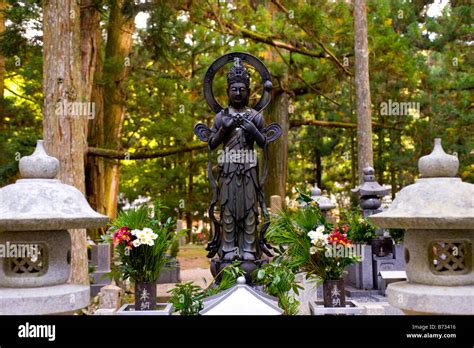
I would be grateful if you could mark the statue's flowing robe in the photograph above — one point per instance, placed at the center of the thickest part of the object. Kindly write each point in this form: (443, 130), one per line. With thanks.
(239, 190)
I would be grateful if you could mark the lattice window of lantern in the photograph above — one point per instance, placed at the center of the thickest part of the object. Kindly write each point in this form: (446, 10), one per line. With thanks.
(28, 266)
(450, 257)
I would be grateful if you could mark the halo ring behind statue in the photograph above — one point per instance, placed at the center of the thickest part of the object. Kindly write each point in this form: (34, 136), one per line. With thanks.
(247, 58)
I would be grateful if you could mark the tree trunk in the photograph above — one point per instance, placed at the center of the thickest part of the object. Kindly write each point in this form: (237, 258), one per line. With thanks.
(277, 112)
(65, 133)
(351, 134)
(91, 68)
(319, 167)
(363, 106)
(380, 165)
(110, 96)
(90, 43)
(393, 170)
(278, 150)
(3, 6)
(189, 226)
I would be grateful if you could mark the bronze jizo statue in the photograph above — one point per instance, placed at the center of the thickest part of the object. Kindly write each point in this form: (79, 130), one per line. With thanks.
(238, 190)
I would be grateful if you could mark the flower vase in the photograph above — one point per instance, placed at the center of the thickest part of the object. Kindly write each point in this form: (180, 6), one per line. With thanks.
(334, 293)
(145, 296)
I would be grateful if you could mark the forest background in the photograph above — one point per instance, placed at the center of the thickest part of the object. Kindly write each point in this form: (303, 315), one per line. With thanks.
(147, 66)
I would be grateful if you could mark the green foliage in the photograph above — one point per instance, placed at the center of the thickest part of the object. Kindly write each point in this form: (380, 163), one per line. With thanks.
(143, 263)
(361, 230)
(278, 280)
(228, 279)
(187, 298)
(174, 249)
(290, 229)
(413, 58)
(397, 234)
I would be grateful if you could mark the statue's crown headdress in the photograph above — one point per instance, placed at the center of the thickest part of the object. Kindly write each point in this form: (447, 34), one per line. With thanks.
(238, 73)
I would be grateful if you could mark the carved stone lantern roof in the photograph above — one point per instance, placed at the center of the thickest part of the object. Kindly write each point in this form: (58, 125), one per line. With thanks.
(40, 202)
(438, 200)
(323, 202)
(370, 187)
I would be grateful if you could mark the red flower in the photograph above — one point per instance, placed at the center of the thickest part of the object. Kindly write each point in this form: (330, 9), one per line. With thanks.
(122, 235)
(337, 238)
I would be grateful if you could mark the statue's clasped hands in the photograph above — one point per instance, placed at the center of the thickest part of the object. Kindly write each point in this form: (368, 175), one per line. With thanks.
(239, 121)
(248, 126)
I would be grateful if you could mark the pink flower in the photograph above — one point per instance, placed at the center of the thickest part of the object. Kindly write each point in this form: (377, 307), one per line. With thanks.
(122, 235)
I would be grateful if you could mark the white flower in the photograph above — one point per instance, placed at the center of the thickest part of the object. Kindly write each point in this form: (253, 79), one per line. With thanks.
(150, 242)
(148, 230)
(136, 243)
(135, 232)
(317, 237)
(141, 235)
(313, 250)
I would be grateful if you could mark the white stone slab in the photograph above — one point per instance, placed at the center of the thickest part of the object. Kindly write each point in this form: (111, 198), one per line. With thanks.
(393, 274)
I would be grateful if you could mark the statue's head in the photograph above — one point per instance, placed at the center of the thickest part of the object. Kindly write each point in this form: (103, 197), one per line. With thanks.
(238, 84)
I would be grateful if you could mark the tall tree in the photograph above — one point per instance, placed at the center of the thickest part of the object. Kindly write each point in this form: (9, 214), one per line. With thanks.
(278, 113)
(363, 106)
(3, 6)
(91, 67)
(65, 133)
(278, 151)
(110, 97)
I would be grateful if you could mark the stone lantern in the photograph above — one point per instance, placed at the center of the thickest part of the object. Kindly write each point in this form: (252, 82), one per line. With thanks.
(324, 203)
(370, 193)
(35, 215)
(438, 215)
(370, 197)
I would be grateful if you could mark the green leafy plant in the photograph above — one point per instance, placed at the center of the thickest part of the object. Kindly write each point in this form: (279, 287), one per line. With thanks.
(174, 249)
(360, 229)
(397, 234)
(187, 298)
(141, 240)
(278, 280)
(310, 244)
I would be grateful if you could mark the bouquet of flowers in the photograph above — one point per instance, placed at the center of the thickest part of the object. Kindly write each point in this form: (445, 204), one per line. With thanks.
(141, 240)
(330, 253)
(310, 244)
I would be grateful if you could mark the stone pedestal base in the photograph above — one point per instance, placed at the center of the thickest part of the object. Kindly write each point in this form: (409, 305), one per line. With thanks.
(161, 309)
(43, 300)
(429, 299)
(351, 308)
(248, 266)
